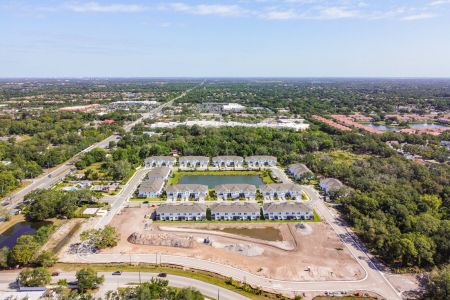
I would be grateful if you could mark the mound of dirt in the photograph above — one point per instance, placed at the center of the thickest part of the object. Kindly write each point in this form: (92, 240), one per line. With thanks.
(161, 239)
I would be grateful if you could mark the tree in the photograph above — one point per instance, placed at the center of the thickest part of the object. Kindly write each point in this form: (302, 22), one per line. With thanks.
(101, 238)
(87, 278)
(46, 259)
(24, 251)
(120, 169)
(4, 254)
(34, 277)
(438, 285)
(208, 214)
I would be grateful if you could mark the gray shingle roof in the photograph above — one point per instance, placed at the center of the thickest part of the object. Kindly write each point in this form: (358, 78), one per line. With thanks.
(151, 185)
(161, 158)
(280, 187)
(261, 158)
(230, 207)
(181, 208)
(332, 183)
(159, 172)
(286, 207)
(298, 169)
(194, 158)
(228, 158)
(194, 188)
(235, 188)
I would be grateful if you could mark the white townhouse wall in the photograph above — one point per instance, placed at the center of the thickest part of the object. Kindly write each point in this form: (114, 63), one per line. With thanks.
(151, 188)
(160, 161)
(287, 211)
(258, 161)
(159, 172)
(184, 192)
(235, 191)
(281, 191)
(193, 162)
(331, 185)
(298, 170)
(228, 161)
(228, 211)
(180, 212)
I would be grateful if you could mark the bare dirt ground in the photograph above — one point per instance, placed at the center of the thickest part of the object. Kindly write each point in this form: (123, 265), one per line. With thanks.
(65, 231)
(319, 255)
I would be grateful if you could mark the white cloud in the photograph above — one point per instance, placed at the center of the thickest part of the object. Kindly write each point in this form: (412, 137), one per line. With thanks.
(104, 8)
(337, 13)
(208, 9)
(416, 17)
(280, 15)
(439, 2)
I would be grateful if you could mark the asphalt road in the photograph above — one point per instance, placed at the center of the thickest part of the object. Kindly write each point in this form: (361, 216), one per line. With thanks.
(48, 179)
(374, 280)
(112, 282)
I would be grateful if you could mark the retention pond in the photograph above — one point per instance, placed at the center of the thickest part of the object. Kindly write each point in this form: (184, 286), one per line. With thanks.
(212, 180)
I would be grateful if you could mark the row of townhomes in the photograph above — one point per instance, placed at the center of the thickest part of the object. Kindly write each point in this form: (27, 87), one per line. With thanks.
(228, 211)
(153, 183)
(186, 162)
(199, 192)
(186, 192)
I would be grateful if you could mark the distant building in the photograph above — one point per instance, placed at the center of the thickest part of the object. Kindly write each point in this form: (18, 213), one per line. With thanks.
(181, 212)
(228, 211)
(299, 171)
(235, 191)
(151, 188)
(194, 162)
(281, 191)
(233, 107)
(331, 185)
(184, 192)
(228, 161)
(287, 211)
(160, 161)
(261, 161)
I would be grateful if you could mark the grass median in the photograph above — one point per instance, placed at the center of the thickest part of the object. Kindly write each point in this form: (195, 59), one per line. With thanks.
(205, 276)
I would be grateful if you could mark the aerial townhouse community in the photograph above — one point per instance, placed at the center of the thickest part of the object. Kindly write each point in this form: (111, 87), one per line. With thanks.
(229, 201)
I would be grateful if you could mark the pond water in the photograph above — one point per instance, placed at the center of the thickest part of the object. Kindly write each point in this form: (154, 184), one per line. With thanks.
(427, 125)
(10, 236)
(212, 180)
(382, 127)
(414, 125)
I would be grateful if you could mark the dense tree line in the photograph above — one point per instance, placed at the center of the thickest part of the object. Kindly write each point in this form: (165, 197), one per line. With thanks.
(45, 204)
(400, 208)
(45, 141)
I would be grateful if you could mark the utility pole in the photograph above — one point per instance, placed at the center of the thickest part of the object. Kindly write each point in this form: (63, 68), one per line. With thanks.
(218, 293)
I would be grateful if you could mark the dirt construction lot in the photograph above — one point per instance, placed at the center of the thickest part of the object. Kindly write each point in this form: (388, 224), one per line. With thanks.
(313, 252)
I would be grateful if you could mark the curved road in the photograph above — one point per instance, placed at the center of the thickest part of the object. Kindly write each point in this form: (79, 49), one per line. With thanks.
(374, 279)
(112, 282)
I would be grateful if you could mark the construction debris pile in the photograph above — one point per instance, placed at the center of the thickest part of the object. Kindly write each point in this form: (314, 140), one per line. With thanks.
(161, 239)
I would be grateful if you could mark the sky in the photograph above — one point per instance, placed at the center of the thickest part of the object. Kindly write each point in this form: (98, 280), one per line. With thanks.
(225, 38)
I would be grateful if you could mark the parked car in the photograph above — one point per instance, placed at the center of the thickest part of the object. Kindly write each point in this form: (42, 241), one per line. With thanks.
(118, 273)
(55, 274)
(162, 275)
